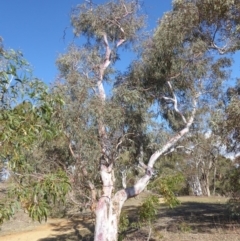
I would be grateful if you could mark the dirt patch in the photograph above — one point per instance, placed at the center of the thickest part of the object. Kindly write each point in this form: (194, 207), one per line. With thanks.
(197, 219)
(75, 228)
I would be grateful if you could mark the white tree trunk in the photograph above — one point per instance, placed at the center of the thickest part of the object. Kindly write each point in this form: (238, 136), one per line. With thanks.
(107, 217)
(214, 178)
(195, 186)
(109, 208)
(206, 184)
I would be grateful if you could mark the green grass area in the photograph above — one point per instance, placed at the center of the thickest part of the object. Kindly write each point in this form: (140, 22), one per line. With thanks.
(212, 199)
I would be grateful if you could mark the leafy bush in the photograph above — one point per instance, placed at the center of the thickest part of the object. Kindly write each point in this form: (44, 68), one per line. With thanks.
(234, 189)
(148, 210)
(124, 224)
(234, 206)
(7, 210)
(146, 215)
(167, 186)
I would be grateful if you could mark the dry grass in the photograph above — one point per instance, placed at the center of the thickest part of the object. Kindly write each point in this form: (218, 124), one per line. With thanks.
(196, 219)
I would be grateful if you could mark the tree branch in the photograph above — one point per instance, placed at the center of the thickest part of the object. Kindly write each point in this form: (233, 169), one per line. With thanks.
(174, 139)
(175, 102)
(221, 50)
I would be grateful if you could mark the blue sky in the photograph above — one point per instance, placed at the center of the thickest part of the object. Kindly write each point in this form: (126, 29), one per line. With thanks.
(37, 28)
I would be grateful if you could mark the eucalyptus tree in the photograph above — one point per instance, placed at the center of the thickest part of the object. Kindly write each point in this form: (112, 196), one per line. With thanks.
(26, 112)
(203, 160)
(95, 122)
(180, 69)
(227, 124)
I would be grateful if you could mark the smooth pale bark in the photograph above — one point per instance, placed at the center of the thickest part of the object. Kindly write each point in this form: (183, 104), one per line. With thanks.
(205, 177)
(214, 178)
(195, 186)
(124, 178)
(107, 210)
(207, 187)
(173, 141)
(109, 206)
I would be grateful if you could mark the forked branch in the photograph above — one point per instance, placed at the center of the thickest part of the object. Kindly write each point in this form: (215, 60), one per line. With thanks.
(174, 101)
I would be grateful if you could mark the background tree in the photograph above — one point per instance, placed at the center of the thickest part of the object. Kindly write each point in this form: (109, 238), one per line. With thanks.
(226, 125)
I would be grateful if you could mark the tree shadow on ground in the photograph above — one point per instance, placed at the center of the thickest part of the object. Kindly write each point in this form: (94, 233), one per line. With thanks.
(197, 217)
(76, 229)
(192, 217)
(68, 237)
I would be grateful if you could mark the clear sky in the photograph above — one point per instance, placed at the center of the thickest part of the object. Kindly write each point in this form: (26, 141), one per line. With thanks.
(41, 29)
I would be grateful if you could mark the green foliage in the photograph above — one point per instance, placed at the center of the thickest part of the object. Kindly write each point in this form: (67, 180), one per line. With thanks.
(234, 180)
(234, 206)
(234, 186)
(145, 215)
(110, 18)
(185, 50)
(28, 121)
(38, 211)
(106, 27)
(26, 107)
(148, 210)
(39, 194)
(231, 126)
(224, 169)
(166, 186)
(182, 63)
(7, 210)
(231, 181)
(123, 225)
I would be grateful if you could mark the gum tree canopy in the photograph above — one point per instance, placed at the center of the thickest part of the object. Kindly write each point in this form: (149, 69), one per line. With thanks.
(112, 120)
(180, 69)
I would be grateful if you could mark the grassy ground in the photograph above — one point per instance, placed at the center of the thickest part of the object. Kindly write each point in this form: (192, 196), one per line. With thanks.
(196, 219)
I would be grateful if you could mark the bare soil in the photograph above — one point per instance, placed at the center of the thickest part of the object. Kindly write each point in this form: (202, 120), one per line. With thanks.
(197, 218)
